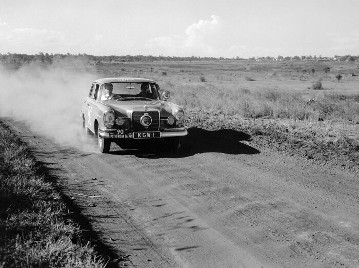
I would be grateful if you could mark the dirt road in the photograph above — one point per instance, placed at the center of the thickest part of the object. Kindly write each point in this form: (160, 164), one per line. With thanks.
(221, 203)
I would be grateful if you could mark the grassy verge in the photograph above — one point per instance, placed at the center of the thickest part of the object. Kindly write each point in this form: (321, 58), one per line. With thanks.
(319, 125)
(35, 230)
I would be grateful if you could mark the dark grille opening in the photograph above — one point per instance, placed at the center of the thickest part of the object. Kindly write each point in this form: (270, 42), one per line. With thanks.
(136, 125)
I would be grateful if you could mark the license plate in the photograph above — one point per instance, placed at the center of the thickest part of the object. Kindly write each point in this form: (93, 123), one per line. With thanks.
(119, 136)
(146, 135)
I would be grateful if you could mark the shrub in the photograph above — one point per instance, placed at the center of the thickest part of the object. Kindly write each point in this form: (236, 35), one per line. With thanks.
(338, 76)
(203, 79)
(317, 85)
(164, 73)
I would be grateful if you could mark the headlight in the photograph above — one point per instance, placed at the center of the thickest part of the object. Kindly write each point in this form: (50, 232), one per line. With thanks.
(109, 119)
(170, 120)
(179, 115)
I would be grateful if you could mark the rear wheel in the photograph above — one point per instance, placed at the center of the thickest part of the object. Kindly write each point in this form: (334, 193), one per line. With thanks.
(84, 127)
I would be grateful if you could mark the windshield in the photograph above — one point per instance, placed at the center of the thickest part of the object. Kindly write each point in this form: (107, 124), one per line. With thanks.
(130, 91)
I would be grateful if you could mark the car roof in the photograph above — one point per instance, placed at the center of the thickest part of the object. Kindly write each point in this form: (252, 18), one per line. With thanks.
(123, 80)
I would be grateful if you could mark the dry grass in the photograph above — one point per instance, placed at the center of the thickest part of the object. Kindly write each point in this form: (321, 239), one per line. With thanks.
(35, 230)
(283, 107)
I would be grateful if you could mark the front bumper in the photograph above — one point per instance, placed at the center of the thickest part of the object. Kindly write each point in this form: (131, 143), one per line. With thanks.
(166, 133)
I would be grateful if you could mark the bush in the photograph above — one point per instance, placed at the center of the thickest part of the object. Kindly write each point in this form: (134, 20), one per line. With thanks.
(317, 85)
(203, 79)
(338, 76)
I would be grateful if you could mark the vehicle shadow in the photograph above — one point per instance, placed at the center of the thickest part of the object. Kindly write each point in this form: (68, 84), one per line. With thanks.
(227, 141)
(198, 140)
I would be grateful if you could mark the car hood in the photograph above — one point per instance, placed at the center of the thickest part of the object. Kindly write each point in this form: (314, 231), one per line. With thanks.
(125, 108)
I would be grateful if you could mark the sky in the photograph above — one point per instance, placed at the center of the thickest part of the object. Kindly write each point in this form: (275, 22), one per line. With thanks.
(205, 28)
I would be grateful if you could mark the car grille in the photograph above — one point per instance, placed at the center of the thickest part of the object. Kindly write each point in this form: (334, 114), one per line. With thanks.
(136, 125)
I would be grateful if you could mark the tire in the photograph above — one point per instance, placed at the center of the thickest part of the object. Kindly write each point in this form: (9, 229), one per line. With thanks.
(103, 144)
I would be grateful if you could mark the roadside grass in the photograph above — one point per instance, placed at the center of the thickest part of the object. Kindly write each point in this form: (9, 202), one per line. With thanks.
(35, 227)
(322, 126)
(270, 104)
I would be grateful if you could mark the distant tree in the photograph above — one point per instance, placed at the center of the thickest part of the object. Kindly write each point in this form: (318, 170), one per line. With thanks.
(326, 69)
(313, 71)
(48, 58)
(338, 76)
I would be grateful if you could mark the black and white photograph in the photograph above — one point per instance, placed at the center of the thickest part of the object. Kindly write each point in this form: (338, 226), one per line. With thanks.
(179, 133)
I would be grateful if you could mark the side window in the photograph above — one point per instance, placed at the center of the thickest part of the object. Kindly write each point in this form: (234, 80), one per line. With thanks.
(96, 92)
(91, 91)
(154, 91)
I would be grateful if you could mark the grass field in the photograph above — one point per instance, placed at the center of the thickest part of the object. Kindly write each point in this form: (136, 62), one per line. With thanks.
(279, 102)
(35, 227)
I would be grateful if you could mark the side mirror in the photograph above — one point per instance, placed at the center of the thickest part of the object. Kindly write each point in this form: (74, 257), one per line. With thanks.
(166, 95)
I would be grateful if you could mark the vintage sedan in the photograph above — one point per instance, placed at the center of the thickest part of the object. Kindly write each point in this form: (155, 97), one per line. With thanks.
(131, 111)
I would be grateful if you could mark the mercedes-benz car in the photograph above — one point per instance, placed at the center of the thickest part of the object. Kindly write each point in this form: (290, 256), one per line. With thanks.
(126, 110)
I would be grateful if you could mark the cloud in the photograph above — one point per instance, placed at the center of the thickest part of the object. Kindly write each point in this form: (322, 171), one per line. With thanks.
(201, 32)
(198, 39)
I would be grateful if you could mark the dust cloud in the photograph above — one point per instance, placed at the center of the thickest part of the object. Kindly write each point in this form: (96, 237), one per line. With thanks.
(49, 100)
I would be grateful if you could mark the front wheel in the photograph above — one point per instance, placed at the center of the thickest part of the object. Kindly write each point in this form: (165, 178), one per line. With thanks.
(103, 144)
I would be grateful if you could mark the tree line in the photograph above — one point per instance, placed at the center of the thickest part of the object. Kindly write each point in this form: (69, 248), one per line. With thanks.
(50, 58)
(47, 58)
